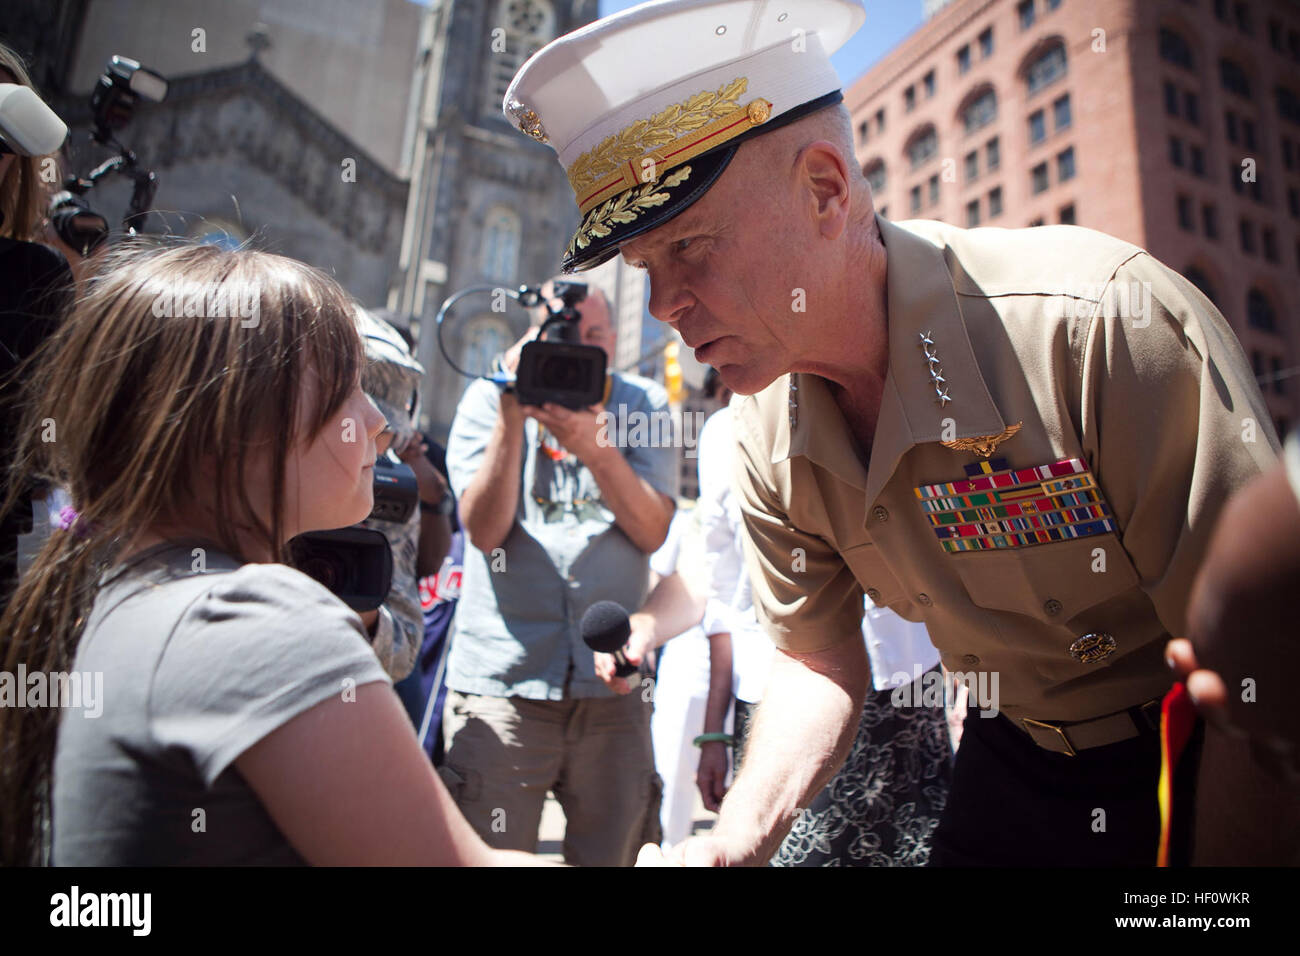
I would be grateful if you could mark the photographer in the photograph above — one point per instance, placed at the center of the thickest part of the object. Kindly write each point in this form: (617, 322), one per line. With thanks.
(34, 288)
(557, 519)
(391, 379)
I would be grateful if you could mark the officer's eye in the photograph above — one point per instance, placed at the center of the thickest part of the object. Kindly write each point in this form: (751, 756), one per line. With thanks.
(681, 244)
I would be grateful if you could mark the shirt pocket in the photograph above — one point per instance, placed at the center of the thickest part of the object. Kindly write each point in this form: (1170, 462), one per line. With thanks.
(873, 573)
(1058, 583)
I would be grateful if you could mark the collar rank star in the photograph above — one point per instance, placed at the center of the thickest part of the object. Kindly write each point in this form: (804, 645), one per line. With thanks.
(935, 369)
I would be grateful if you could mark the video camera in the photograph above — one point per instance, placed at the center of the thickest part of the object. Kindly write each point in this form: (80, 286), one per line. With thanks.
(356, 563)
(112, 105)
(556, 367)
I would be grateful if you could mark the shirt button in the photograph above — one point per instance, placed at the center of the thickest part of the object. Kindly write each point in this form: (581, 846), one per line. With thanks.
(880, 513)
(970, 660)
(1052, 607)
(874, 595)
(925, 599)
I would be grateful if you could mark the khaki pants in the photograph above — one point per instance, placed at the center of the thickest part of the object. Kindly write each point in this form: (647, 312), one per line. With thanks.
(505, 753)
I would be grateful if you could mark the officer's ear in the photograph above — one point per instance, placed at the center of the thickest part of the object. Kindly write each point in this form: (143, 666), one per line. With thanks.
(825, 176)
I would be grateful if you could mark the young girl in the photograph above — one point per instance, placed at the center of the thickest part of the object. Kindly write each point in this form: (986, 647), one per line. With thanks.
(203, 407)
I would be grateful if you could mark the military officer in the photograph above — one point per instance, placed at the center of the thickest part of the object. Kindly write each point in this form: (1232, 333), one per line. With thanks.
(1020, 437)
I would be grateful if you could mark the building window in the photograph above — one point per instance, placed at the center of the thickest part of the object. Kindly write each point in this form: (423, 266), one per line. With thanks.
(1061, 113)
(884, 212)
(1067, 215)
(1288, 153)
(1171, 99)
(1025, 10)
(1233, 78)
(880, 121)
(485, 338)
(875, 173)
(1199, 279)
(1230, 122)
(1174, 49)
(1288, 104)
(1293, 44)
(528, 25)
(916, 199)
(981, 111)
(1047, 69)
(1247, 229)
(1065, 165)
(1275, 35)
(986, 43)
(972, 214)
(928, 82)
(501, 244)
(1039, 178)
(1186, 221)
(862, 131)
(1269, 238)
(972, 165)
(1035, 222)
(923, 146)
(1243, 17)
(963, 59)
(1221, 10)
(1279, 380)
(1037, 127)
(1052, 5)
(1176, 151)
(991, 157)
(1191, 109)
(1248, 133)
(934, 189)
(1259, 312)
(1234, 177)
(995, 202)
(1293, 202)
(909, 99)
(1197, 160)
(1210, 221)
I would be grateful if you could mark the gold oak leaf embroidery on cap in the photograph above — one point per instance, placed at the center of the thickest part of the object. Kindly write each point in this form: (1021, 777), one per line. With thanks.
(624, 208)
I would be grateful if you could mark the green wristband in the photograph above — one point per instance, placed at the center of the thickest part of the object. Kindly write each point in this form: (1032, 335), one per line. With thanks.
(727, 739)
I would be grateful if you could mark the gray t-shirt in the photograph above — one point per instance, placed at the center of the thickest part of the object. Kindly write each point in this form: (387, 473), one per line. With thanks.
(197, 667)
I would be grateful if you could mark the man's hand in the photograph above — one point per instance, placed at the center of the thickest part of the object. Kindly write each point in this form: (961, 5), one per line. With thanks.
(431, 483)
(638, 645)
(711, 776)
(576, 429)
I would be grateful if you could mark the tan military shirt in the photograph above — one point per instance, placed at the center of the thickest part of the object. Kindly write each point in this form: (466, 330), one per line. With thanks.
(1150, 394)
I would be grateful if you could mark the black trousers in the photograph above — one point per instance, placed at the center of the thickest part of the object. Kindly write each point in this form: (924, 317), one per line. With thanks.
(1012, 803)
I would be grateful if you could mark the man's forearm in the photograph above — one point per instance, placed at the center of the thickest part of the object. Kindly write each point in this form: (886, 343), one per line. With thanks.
(641, 512)
(671, 609)
(719, 699)
(488, 507)
(435, 542)
(802, 732)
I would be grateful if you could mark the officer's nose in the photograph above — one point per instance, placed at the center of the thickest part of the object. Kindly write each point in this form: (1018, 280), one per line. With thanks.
(669, 299)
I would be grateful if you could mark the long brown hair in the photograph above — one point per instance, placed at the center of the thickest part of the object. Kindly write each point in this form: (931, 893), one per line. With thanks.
(23, 195)
(123, 405)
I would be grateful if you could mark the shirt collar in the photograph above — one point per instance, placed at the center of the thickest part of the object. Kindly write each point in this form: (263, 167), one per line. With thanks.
(920, 300)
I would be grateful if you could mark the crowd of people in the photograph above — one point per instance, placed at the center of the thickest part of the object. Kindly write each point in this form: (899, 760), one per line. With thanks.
(787, 629)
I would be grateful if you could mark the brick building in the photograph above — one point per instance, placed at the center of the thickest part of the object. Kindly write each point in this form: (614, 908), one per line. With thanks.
(1172, 124)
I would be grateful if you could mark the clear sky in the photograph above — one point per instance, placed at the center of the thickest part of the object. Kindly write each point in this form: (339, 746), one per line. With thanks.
(888, 22)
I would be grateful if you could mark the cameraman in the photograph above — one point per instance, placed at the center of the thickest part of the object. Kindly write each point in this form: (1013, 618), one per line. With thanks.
(391, 378)
(557, 517)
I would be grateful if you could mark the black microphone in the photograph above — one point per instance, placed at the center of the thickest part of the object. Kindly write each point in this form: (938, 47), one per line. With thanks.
(605, 629)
